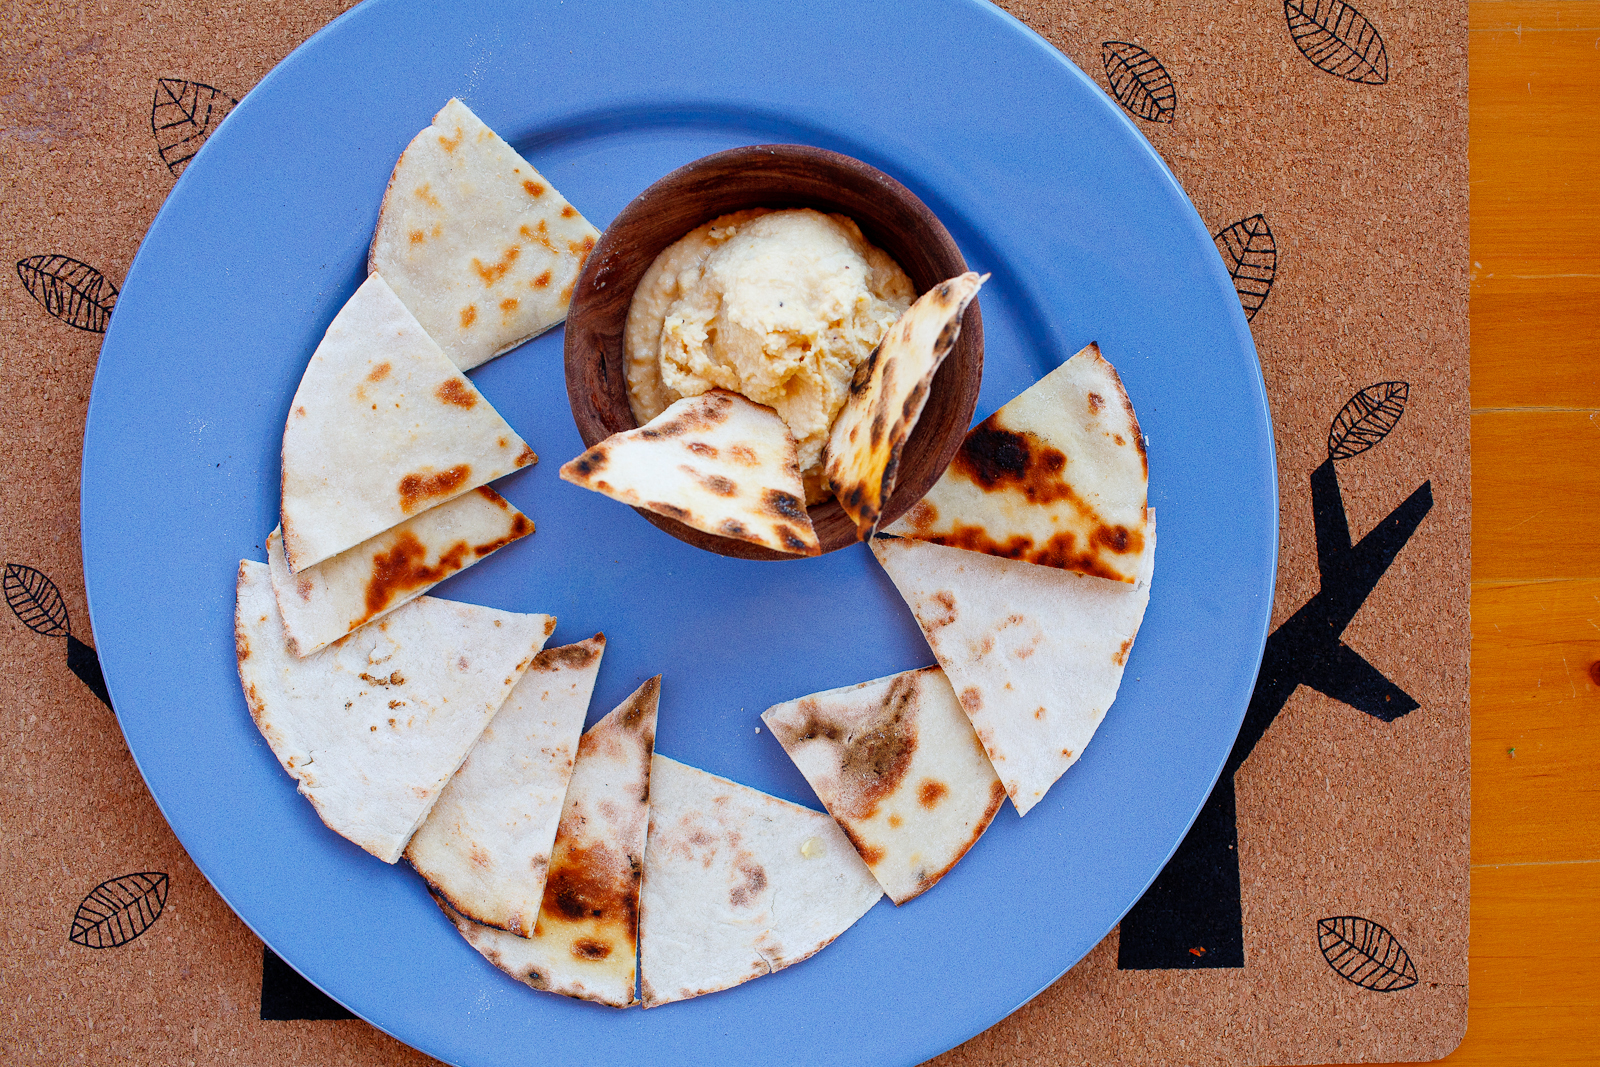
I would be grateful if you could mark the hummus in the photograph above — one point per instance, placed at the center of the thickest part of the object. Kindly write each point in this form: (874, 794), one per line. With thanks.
(781, 306)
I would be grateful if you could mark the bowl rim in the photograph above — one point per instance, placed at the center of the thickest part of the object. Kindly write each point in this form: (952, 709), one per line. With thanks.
(609, 266)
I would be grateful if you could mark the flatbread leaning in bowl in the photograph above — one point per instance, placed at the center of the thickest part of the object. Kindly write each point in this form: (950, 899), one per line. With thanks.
(887, 394)
(476, 242)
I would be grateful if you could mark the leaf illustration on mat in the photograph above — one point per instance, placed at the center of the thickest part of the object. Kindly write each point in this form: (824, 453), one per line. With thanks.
(1367, 418)
(72, 291)
(35, 600)
(1338, 39)
(1365, 953)
(182, 116)
(1139, 81)
(1251, 255)
(119, 909)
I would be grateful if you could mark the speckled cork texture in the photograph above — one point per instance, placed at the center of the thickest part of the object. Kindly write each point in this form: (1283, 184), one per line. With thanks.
(1317, 913)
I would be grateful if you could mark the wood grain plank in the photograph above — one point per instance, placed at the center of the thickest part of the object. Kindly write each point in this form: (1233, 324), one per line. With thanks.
(1535, 704)
(1536, 481)
(1539, 348)
(1535, 966)
(1535, 165)
(1535, 161)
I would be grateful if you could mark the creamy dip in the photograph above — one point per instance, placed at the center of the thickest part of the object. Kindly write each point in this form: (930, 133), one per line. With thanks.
(778, 305)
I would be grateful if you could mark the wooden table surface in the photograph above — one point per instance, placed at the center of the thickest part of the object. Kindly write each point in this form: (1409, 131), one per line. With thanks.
(1535, 158)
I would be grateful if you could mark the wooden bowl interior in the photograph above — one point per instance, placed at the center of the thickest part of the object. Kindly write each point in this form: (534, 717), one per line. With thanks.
(775, 176)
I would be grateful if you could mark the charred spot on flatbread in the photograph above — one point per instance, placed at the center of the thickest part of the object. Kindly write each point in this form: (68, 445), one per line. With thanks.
(419, 487)
(402, 568)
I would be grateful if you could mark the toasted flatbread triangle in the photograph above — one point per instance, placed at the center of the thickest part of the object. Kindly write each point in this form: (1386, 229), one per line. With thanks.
(717, 462)
(1057, 477)
(382, 427)
(477, 243)
(898, 765)
(886, 398)
(738, 884)
(586, 939)
(486, 845)
(373, 726)
(1035, 654)
(322, 603)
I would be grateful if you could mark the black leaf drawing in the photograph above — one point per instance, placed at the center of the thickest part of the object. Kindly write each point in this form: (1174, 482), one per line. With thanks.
(35, 600)
(72, 291)
(182, 116)
(1338, 39)
(119, 909)
(1367, 419)
(1251, 256)
(1139, 81)
(1366, 954)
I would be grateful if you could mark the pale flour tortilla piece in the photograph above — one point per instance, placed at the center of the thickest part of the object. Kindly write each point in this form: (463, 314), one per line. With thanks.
(373, 726)
(897, 764)
(738, 884)
(1057, 477)
(862, 458)
(486, 845)
(717, 462)
(1035, 654)
(586, 940)
(322, 603)
(477, 243)
(382, 427)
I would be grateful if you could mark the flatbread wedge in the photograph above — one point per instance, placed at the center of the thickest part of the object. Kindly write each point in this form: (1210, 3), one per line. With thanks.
(887, 394)
(738, 884)
(486, 845)
(585, 941)
(1057, 477)
(324, 602)
(717, 462)
(476, 242)
(373, 726)
(1035, 654)
(897, 764)
(382, 427)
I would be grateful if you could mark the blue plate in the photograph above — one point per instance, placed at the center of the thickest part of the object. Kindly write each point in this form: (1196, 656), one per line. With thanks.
(1042, 181)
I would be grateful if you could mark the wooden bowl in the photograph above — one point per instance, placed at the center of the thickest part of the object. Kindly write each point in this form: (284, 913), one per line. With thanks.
(777, 176)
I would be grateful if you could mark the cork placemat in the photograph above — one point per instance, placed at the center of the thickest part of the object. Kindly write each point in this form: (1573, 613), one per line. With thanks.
(1317, 911)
